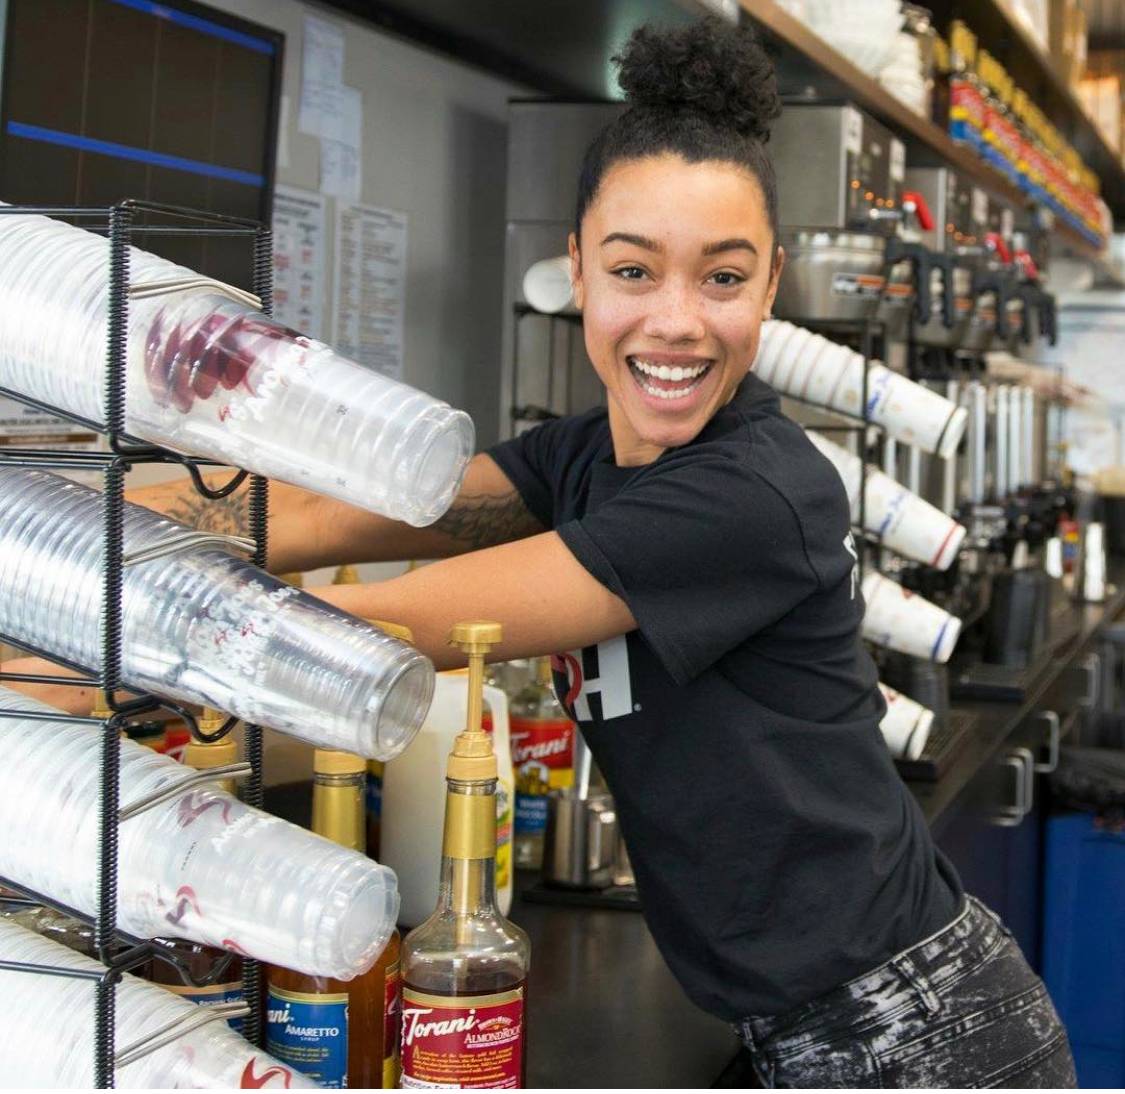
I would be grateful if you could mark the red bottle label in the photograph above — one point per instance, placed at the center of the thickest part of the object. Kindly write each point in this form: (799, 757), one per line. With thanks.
(474, 1042)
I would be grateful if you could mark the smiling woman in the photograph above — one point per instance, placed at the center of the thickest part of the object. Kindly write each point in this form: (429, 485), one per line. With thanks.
(687, 554)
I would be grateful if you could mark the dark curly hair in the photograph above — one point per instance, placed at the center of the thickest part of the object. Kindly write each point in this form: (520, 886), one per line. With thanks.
(704, 91)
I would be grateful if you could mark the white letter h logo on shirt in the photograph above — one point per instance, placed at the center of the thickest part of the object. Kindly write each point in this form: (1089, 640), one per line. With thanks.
(612, 682)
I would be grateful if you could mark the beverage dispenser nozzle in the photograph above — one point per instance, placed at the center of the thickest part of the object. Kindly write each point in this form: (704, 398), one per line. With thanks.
(999, 282)
(920, 258)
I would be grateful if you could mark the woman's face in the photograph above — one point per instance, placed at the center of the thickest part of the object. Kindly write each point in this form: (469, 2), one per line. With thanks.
(674, 277)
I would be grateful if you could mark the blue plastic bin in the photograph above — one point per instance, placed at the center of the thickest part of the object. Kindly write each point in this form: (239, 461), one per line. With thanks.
(1084, 943)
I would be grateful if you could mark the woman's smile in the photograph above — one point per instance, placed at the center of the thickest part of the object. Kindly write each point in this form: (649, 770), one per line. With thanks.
(672, 383)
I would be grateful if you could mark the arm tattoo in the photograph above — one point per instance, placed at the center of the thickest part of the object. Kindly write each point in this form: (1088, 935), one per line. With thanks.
(487, 520)
(229, 516)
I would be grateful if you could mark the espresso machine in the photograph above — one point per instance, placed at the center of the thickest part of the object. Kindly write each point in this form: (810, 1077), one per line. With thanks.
(841, 184)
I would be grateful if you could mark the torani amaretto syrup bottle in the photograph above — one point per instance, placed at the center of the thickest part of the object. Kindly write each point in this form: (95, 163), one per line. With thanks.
(465, 969)
(343, 1033)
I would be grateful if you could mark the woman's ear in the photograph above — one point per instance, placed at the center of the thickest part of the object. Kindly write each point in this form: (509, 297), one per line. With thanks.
(775, 278)
(575, 270)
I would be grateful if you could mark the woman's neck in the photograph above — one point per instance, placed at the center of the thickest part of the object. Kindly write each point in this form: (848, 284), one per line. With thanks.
(629, 450)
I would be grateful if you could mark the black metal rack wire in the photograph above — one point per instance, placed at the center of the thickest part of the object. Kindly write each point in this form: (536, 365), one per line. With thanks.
(117, 951)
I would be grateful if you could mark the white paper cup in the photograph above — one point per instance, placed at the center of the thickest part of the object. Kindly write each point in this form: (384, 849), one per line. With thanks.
(773, 336)
(907, 524)
(904, 621)
(792, 354)
(546, 285)
(830, 371)
(906, 725)
(808, 366)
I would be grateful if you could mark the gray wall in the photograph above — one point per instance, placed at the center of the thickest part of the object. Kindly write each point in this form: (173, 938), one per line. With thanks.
(434, 147)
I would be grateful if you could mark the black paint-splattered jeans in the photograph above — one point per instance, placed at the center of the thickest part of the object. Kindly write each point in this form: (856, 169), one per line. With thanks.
(960, 1009)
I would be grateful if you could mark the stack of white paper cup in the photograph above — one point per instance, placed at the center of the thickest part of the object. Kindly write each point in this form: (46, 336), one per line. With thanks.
(546, 285)
(47, 1030)
(907, 524)
(904, 621)
(201, 865)
(906, 725)
(211, 376)
(201, 625)
(807, 366)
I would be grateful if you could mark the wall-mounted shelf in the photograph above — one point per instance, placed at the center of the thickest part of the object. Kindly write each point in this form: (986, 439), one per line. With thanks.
(808, 65)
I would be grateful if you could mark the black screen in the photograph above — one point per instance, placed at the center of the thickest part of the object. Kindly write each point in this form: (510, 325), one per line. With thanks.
(169, 102)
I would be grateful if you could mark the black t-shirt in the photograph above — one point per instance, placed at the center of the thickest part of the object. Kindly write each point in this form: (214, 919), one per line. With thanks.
(777, 851)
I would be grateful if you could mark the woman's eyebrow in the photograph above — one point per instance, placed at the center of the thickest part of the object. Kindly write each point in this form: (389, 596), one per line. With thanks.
(639, 241)
(735, 244)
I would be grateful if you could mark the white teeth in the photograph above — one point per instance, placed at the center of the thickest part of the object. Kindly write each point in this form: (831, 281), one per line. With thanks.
(666, 372)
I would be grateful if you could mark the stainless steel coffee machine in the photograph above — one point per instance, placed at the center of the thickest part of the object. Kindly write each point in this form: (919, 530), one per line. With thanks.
(840, 179)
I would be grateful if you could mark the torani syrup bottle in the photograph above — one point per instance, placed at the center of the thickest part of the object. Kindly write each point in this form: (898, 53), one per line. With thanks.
(343, 1033)
(200, 959)
(465, 969)
(543, 758)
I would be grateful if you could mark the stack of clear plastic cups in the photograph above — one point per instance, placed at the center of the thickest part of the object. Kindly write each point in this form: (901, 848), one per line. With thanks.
(47, 1028)
(907, 524)
(201, 865)
(211, 376)
(808, 366)
(202, 625)
(902, 620)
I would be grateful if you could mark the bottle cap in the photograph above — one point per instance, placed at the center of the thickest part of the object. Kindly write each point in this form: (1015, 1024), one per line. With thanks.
(208, 754)
(330, 762)
(472, 758)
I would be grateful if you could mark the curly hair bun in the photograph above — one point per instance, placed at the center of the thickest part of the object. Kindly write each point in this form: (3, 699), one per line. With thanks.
(706, 67)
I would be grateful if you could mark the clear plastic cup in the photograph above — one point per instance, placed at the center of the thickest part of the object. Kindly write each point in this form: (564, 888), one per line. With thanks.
(47, 1029)
(211, 376)
(201, 865)
(202, 625)
(908, 524)
(902, 620)
(906, 725)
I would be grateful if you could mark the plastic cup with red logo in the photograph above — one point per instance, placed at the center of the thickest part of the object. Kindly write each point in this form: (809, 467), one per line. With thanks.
(201, 865)
(202, 625)
(40, 1050)
(210, 375)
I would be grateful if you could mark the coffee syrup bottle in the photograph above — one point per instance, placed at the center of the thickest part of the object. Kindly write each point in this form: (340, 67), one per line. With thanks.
(465, 969)
(200, 959)
(342, 1033)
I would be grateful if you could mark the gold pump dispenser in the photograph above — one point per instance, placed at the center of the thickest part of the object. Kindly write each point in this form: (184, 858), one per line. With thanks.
(205, 755)
(465, 967)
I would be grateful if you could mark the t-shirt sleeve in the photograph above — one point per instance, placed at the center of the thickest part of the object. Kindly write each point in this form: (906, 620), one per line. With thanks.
(706, 553)
(528, 460)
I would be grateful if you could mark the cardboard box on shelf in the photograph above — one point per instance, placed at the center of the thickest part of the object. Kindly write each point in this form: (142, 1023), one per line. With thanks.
(1067, 39)
(1101, 97)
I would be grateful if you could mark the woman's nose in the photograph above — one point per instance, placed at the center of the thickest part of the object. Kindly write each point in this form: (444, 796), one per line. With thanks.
(675, 314)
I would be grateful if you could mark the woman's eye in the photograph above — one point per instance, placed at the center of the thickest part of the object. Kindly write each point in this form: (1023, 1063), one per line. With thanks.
(629, 273)
(727, 277)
